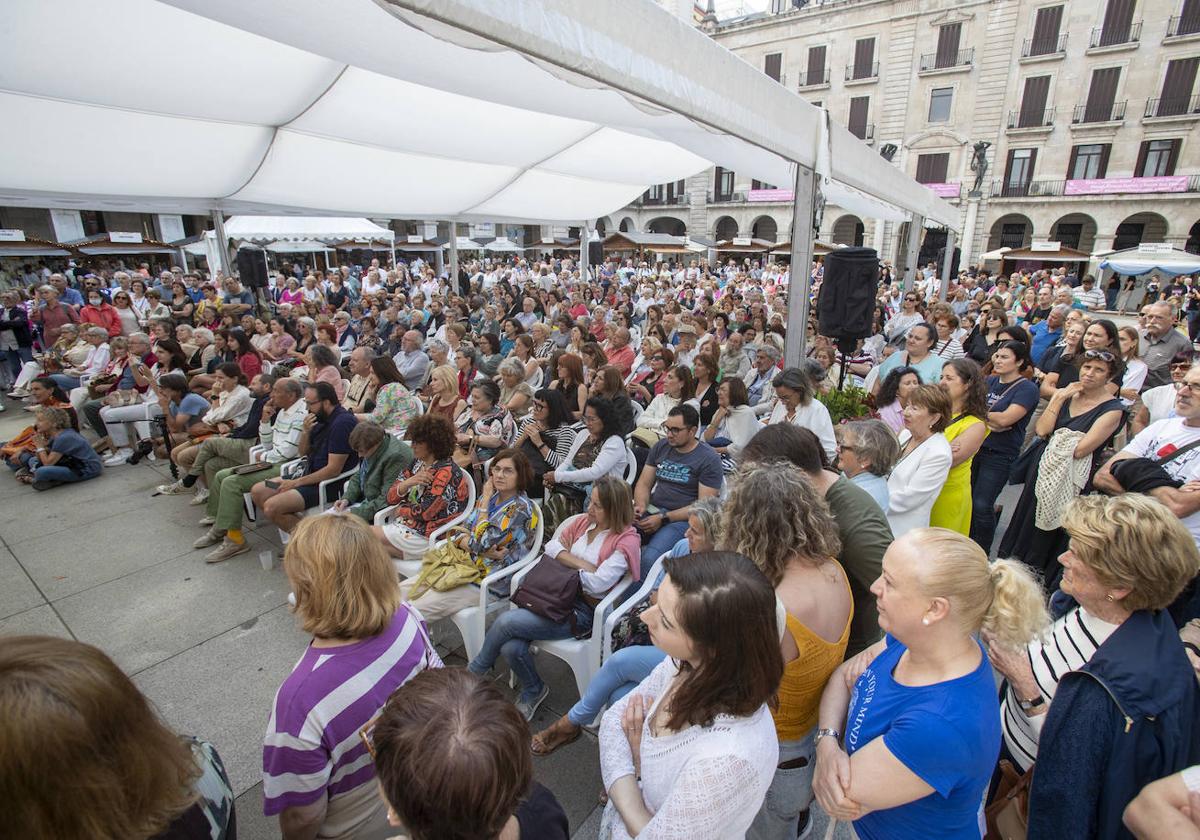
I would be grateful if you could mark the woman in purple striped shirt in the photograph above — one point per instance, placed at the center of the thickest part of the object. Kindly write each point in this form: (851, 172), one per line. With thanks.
(317, 774)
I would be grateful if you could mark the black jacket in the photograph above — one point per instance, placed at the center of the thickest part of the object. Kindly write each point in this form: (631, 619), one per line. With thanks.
(15, 319)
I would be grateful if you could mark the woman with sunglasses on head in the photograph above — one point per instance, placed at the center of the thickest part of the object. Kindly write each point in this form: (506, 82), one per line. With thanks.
(984, 341)
(546, 435)
(1098, 335)
(1078, 422)
(904, 320)
(123, 303)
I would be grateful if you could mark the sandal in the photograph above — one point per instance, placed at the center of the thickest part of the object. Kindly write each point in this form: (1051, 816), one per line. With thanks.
(25, 479)
(558, 734)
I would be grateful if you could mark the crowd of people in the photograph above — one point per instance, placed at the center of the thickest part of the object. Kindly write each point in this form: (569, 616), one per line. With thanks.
(811, 627)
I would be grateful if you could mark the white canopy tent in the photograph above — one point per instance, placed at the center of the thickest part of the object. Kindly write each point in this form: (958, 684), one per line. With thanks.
(1143, 259)
(585, 104)
(301, 228)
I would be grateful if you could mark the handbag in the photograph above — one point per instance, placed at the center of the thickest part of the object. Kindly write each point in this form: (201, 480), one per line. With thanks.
(101, 379)
(1008, 815)
(550, 590)
(447, 566)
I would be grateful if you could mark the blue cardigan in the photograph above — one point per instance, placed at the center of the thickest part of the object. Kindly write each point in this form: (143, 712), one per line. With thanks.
(1126, 718)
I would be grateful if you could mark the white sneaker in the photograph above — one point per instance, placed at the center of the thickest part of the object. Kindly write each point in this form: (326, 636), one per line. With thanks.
(118, 457)
(173, 489)
(201, 496)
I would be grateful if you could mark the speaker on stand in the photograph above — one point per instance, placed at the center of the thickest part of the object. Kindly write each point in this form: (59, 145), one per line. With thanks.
(846, 304)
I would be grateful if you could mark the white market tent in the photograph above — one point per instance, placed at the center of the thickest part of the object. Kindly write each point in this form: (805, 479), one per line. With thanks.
(1166, 260)
(532, 111)
(301, 228)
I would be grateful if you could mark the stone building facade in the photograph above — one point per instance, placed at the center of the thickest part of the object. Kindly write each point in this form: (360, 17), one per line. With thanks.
(1090, 110)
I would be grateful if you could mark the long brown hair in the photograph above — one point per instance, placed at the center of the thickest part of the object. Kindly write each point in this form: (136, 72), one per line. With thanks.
(727, 609)
(85, 755)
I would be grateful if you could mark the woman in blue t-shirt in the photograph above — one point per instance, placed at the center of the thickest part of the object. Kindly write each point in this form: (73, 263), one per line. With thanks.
(918, 710)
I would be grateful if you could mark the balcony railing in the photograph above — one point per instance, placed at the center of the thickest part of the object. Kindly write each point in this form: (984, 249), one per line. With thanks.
(1025, 189)
(863, 132)
(1035, 47)
(857, 72)
(1040, 119)
(1178, 26)
(725, 198)
(1100, 113)
(1175, 106)
(1115, 36)
(944, 61)
(814, 79)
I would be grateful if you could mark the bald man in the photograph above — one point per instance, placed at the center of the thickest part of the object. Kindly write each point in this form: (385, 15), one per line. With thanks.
(619, 353)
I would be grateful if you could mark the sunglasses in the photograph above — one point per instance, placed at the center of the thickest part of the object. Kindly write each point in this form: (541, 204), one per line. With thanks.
(1102, 355)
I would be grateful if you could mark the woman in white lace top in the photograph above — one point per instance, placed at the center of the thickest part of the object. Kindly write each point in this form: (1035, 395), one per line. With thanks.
(691, 751)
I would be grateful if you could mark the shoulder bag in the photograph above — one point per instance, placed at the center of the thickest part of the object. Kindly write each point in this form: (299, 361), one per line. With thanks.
(550, 590)
(1008, 814)
(447, 566)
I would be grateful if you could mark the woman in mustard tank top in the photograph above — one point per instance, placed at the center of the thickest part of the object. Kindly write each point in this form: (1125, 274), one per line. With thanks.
(775, 517)
(963, 381)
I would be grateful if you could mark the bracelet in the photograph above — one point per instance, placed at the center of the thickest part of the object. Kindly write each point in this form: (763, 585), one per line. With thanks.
(823, 733)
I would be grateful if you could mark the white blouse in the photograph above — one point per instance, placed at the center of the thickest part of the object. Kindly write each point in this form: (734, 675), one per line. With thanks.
(702, 783)
(605, 577)
(916, 481)
(814, 417)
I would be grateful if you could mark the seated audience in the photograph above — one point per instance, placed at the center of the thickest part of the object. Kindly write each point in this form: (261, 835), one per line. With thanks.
(381, 457)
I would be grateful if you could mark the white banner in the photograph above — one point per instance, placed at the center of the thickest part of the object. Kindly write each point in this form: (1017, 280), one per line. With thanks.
(68, 225)
(170, 227)
(11, 235)
(125, 236)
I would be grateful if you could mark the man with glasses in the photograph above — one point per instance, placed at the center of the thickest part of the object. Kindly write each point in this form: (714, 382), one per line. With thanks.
(1164, 439)
(1159, 403)
(1160, 344)
(680, 469)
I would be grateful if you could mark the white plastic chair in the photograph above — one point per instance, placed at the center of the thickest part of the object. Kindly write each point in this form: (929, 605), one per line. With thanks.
(582, 655)
(472, 621)
(626, 606)
(411, 568)
(637, 410)
(323, 500)
(536, 380)
(630, 466)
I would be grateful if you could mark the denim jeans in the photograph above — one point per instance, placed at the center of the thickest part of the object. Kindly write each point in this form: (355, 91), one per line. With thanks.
(989, 474)
(619, 675)
(510, 635)
(16, 357)
(790, 793)
(662, 540)
(60, 474)
(67, 383)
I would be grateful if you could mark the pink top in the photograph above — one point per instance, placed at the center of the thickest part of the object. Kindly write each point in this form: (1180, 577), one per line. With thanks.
(333, 376)
(628, 540)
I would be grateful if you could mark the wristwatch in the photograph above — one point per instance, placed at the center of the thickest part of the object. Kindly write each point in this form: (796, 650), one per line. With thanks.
(1030, 705)
(831, 733)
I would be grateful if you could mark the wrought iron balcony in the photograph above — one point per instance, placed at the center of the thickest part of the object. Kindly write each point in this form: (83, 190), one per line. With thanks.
(947, 61)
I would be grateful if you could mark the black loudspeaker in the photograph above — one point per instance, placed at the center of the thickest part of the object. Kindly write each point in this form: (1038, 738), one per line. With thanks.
(846, 304)
(596, 253)
(252, 268)
(941, 260)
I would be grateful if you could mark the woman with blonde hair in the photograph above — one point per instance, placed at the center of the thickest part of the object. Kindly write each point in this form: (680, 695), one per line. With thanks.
(366, 643)
(1107, 701)
(917, 711)
(777, 518)
(444, 399)
(87, 758)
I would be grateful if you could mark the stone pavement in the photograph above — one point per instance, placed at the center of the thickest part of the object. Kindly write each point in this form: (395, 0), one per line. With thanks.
(105, 563)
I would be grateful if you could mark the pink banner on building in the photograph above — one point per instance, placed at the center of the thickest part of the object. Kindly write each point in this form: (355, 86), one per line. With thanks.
(770, 195)
(1113, 186)
(946, 190)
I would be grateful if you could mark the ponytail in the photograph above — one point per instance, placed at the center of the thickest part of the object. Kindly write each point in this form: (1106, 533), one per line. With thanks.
(1018, 610)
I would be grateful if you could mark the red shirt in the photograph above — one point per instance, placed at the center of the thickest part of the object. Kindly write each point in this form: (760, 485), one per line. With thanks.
(622, 358)
(250, 364)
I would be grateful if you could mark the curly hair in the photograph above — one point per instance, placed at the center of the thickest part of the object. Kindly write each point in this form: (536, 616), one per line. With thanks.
(434, 431)
(975, 398)
(773, 514)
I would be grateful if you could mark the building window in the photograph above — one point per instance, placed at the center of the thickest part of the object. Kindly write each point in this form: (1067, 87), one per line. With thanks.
(1069, 233)
(773, 66)
(723, 184)
(1129, 235)
(1089, 161)
(1046, 26)
(762, 185)
(1012, 235)
(932, 169)
(1157, 158)
(940, 100)
(859, 106)
(1020, 171)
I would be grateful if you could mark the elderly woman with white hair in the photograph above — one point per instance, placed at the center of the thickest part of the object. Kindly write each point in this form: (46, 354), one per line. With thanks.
(867, 450)
(515, 393)
(760, 392)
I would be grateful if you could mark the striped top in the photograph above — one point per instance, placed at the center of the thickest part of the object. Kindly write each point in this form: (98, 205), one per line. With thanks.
(312, 748)
(1070, 643)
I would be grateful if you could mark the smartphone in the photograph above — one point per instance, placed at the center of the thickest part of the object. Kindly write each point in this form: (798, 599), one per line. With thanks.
(272, 483)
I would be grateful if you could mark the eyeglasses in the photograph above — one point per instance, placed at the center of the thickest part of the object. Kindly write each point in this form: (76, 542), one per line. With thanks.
(1194, 387)
(670, 429)
(1181, 365)
(1102, 355)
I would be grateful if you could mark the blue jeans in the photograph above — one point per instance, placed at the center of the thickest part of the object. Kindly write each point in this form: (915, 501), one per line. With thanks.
(16, 358)
(619, 675)
(65, 382)
(662, 540)
(510, 635)
(989, 474)
(59, 474)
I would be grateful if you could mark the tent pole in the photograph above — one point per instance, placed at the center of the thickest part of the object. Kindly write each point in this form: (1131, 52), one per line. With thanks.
(183, 256)
(947, 265)
(218, 219)
(584, 240)
(800, 286)
(453, 255)
(393, 251)
(910, 258)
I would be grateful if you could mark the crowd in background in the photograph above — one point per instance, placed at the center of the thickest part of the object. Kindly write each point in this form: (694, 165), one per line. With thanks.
(812, 630)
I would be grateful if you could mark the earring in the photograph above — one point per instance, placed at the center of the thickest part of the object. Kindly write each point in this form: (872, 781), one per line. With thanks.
(1109, 598)
(925, 621)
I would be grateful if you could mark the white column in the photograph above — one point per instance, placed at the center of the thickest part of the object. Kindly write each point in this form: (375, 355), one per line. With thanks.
(914, 244)
(877, 237)
(218, 219)
(800, 287)
(453, 255)
(967, 246)
(585, 235)
(947, 262)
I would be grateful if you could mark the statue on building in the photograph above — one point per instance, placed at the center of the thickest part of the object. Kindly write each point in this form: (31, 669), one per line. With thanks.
(888, 151)
(979, 164)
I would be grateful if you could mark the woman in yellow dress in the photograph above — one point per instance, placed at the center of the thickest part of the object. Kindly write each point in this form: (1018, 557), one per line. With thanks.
(963, 381)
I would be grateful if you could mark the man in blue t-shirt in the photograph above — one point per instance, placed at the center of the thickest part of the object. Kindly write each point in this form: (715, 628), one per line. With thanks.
(1045, 334)
(326, 443)
(679, 470)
